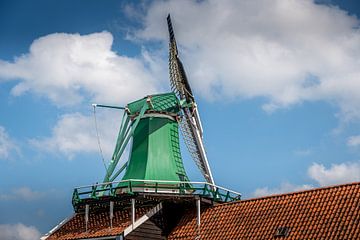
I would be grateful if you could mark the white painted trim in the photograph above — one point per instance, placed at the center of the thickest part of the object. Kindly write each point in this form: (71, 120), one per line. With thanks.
(57, 227)
(159, 115)
(128, 230)
(102, 238)
(143, 219)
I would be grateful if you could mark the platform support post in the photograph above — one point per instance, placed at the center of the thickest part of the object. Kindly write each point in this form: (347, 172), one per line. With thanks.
(111, 213)
(198, 220)
(133, 211)
(86, 216)
(198, 205)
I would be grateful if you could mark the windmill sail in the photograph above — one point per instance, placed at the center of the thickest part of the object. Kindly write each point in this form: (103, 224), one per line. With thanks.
(190, 125)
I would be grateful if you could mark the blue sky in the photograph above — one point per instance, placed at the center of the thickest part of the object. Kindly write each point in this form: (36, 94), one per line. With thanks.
(276, 82)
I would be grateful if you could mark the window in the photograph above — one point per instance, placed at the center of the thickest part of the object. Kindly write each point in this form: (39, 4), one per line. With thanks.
(282, 232)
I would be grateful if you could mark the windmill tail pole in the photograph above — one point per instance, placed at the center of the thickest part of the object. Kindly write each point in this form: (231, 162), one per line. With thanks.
(107, 106)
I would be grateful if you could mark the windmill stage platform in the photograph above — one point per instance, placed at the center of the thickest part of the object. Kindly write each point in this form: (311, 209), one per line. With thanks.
(120, 192)
(136, 209)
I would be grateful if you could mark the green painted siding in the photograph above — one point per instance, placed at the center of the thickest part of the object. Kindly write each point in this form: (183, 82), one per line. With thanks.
(155, 153)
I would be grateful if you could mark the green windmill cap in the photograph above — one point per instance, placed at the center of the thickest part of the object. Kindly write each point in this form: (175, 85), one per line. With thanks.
(165, 102)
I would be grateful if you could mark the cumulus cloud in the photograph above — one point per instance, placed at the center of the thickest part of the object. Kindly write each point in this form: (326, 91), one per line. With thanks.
(66, 68)
(27, 194)
(22, 193)
(284, 187)
(75, 133)
(285, 51)
(336, 174)
(354, 141)
(18, 231)
(7, 145)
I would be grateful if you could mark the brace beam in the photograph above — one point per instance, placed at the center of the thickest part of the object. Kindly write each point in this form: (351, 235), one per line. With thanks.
(124, 138)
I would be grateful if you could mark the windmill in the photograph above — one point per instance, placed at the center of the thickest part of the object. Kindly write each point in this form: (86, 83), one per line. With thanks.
(153, 122)
(150, 130)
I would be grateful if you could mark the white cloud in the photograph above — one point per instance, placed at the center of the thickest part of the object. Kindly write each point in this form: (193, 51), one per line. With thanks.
(75, 133)
(18, 231)
(27, 194)
(67, 68)
(285, 51)
(336, 174)
(354, 141)
(284, 187)
(7, 145)
(22, 193)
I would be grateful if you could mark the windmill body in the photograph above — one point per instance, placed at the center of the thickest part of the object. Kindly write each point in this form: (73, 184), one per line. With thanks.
(155, 152)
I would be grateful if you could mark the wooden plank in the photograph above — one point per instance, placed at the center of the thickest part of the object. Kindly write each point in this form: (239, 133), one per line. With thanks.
(148, 230)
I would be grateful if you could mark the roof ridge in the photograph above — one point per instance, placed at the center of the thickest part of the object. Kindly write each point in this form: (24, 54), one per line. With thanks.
(291, 193)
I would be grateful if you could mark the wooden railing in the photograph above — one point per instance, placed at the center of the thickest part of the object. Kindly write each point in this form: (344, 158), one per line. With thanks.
(133, 186)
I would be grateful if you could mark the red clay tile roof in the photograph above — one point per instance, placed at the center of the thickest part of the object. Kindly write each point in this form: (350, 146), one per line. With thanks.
(98, 226)
(324, 213)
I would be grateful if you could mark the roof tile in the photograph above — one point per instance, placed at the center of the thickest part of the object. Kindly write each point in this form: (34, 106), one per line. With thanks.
(324, 213)
(98, 225)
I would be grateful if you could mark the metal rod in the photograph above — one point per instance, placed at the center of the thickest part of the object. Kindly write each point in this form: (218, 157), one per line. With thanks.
(98, 139)
(107, 106)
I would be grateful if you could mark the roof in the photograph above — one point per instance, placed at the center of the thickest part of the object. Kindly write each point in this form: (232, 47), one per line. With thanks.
(323, 213)
(98, 226)
(166, 102)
